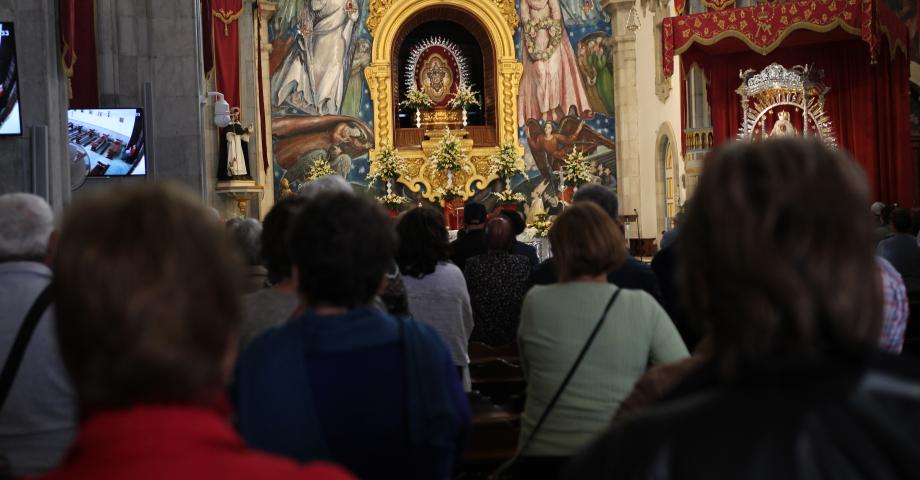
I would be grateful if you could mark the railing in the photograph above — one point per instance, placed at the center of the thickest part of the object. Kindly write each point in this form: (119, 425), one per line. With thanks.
(698, 140)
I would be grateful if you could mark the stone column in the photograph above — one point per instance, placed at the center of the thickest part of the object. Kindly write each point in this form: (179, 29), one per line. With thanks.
(42, 101)
(626, 97)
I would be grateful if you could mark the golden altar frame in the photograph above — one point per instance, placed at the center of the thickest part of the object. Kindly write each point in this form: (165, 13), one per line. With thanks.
(499, 18)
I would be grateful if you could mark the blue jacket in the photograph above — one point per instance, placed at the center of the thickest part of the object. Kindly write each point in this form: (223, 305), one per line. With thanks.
(374, 393)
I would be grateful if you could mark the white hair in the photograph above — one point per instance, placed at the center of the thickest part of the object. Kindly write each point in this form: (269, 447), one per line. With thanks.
(26, 223)
(324, 185)
(246, 233)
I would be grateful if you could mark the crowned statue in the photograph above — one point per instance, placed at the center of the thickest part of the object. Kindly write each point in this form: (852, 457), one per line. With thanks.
(783, 126)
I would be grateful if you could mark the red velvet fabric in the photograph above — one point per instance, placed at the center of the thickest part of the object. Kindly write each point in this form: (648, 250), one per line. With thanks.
(226, 32)
(207, 51)
(78, 51)
(868, 104)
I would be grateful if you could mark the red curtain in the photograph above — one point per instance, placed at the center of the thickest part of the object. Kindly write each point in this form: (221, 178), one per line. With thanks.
(226, 32)
(78, 51)
(206, 37)
(868, 105)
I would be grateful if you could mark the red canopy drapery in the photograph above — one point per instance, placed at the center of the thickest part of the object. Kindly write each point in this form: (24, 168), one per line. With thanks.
(860, 46)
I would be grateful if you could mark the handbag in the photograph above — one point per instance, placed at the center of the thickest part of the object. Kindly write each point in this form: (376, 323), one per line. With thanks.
(506, 470)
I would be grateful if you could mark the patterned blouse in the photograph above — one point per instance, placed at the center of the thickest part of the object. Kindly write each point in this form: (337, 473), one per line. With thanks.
(497, 282)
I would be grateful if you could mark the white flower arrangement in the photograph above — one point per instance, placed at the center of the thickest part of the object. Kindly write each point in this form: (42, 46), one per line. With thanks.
(448, 155)
(449, 192)
(392, 200)
(417, 99)
(578, 170)
(464, 98)
(507, 197)
(506, 162)
(320, 168)
(387, 165)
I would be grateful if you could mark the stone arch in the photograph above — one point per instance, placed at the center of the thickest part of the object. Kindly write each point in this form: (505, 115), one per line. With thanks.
(497, 17)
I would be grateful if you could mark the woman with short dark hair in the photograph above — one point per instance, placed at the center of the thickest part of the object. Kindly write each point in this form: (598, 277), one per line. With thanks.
(435, 287)
(147, 290)
(497, 282)
(556, 323)
(344, 381)
(773, 263)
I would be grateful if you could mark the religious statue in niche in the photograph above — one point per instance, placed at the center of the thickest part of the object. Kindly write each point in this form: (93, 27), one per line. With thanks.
(234, 150)
(437, 68)
(312, 77)
(550, 85)
(436, 78)
(783, 127)
(781, 102)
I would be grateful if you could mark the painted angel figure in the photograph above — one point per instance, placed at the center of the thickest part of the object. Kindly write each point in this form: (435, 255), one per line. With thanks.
(550, 146)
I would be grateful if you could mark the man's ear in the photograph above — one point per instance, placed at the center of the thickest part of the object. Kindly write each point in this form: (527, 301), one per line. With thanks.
(53, 238)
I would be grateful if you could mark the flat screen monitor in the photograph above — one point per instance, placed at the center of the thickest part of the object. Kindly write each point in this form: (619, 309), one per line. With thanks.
(10, 117)
(108, 142)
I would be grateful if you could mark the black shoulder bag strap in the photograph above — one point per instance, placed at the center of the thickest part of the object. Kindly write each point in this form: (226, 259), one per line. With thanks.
(18, 350)
(565, 382)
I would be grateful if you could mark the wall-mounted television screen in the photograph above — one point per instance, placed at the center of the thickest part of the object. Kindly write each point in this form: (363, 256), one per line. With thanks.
(109, 142)
(10, 117)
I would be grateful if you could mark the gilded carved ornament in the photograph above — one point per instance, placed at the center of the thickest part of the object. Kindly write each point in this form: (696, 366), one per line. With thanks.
(499, 18)
(378, 8)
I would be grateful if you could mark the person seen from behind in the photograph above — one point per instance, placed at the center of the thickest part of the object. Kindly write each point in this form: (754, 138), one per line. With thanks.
(147, 291)
(794, 385)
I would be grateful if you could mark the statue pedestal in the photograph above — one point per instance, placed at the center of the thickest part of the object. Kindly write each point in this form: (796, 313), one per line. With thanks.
(241, 191)
(441, 117)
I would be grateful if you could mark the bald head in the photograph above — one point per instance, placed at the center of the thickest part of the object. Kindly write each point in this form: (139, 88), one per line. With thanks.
(26, 223)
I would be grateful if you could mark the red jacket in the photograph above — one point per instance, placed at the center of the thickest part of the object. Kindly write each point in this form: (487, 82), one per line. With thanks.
(174, 443)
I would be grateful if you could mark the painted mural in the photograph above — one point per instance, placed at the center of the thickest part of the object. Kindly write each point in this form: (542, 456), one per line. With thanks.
(322, 112)
(321, 108)
(566, 97)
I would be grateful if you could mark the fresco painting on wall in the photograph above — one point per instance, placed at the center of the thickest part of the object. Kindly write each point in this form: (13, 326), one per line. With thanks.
(321, 108)
(566, 97)
(320, 102)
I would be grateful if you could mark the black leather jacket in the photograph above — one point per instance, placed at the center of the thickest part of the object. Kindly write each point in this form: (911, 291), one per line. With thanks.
(840, 419)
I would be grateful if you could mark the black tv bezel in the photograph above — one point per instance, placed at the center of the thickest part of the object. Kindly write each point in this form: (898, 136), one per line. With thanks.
(146, 139)
(16, 82)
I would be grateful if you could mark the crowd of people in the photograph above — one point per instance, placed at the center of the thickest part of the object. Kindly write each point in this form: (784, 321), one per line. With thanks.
(143, 338)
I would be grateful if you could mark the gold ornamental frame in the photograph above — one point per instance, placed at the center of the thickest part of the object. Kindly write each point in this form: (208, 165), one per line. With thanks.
(499, 18)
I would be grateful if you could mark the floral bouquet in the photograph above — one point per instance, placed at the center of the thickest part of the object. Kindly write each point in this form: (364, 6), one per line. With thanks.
(392, 201)
(541, 225)
(578, 170)
(506, 162)
(449, 192)
(464, 98)
(509, 197)
(320, 168)
(417, 100)
(387, 165)
(448, 155)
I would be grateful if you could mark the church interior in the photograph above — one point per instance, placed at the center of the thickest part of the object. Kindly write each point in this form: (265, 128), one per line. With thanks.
(473, 109)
